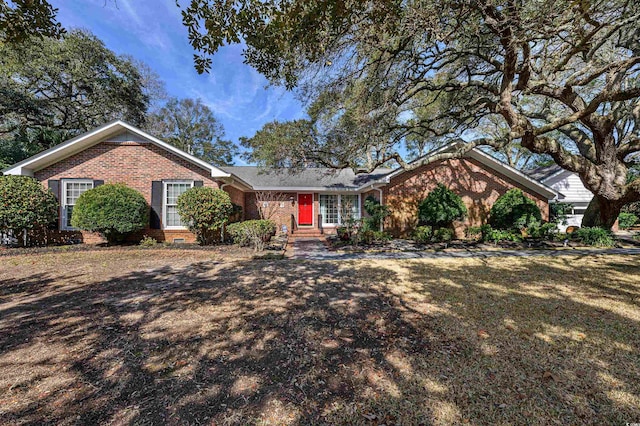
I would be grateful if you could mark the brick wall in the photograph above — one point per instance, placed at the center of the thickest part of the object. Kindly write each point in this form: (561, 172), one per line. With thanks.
(478, 186)
(134, 164)
(280, 215)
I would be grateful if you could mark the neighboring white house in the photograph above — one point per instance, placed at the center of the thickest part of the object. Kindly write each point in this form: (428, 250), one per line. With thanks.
(572, 191)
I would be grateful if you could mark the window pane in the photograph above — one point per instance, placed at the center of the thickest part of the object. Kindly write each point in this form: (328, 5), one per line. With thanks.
(173, 191)
(69, 210)
(329, 208)
(74, 190)
(173, 218)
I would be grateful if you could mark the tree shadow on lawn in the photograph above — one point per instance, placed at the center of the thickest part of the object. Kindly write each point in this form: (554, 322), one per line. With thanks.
(560, 338)
(300, 342)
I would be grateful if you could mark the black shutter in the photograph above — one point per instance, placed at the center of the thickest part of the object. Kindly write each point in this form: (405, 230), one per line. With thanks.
(97, 183)
(54, 186)
(197, 183)
(156, 205)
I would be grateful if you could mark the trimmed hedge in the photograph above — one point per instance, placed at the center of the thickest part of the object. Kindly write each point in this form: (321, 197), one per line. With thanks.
(25, 205)
(441, 208)
(514, 210)
(113, 210)
(252, 233)
(205, 211)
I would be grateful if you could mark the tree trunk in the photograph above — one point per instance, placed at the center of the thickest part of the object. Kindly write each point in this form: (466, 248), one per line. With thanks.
(601, 212)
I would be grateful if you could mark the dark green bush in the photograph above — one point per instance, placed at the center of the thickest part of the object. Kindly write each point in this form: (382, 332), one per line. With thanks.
(25, 205)
(252, 232)
(487, 233)
(627, 220)
(546, 231)
(558, 212)
(473, 232)
(441, 208)
(595, 236)
(514, 210)
(205, 211)
(422, 234)
(377, 213)
(443, 235)
(368, 236)
(113, 210)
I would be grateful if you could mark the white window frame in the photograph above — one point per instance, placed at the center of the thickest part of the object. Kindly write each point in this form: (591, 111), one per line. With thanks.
(63, 202)
(164, 202)
(339, 195)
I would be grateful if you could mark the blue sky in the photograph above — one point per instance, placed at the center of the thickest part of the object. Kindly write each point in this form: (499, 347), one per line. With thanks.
(152, 31)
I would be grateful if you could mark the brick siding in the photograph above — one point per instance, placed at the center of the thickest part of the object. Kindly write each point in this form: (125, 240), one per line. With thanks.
(478, 186)
(134, 164)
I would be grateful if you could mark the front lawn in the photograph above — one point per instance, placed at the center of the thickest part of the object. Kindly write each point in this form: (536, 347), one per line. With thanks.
(193, 336)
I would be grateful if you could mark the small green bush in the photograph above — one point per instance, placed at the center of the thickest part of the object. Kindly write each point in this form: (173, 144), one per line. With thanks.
(595, 236)
(368, 236)
(377, 213)
(113, 210)
(546, 231)
(441, 208)
(422, 234)
(627, 220)
(25, 204)
(496, 235)
(252, 233)
(443, 235)
(473, 232)
(205, 211)
(514, 210)
(148, 242)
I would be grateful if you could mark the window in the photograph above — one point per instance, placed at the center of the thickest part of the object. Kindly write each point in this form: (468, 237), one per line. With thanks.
(335, 208)
(172, 190)
(71, 190)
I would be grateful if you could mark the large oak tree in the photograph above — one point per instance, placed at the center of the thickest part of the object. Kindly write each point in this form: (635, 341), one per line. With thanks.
(53, 89)
(560, 75)
(190, 125)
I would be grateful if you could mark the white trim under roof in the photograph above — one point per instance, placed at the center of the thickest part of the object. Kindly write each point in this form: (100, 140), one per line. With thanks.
(489, 161)
(80, 143)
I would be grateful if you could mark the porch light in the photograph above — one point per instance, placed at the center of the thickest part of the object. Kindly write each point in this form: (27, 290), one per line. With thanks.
(292, 201)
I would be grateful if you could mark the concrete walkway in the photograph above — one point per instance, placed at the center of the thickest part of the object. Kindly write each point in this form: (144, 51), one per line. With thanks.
(315, 249)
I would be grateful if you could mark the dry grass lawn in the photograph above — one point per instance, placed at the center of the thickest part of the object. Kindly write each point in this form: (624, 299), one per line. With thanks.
(137, 336)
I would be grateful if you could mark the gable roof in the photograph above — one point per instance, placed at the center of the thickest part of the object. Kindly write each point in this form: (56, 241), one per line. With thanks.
(311, 179)
(545, 172)
(492, 163)
(93, 137)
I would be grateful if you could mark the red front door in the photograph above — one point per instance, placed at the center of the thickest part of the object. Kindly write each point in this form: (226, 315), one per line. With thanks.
(305, 209)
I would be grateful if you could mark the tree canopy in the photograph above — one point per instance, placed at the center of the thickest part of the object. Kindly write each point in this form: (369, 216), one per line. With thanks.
(21, 19)
(560, 75)
(191, 126)
(54, 89)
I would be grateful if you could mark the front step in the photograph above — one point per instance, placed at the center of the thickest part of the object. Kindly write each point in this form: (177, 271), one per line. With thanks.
(308, 233)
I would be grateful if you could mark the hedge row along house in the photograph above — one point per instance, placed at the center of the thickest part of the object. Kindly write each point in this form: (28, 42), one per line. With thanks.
(312, 202)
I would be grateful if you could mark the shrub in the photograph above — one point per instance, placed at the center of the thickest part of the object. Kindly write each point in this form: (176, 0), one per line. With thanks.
(546, 231)
(441, 207)
(595, 236)
(443, 235)
(25, 205)
(113, 210)
(369, 236)
(205, 210)
(473, 232)
(148, 242)
(487, 233)
(627, 220)
(422, 234)
(514, 210)
(558, 212)
(377, 213)
(252, 232)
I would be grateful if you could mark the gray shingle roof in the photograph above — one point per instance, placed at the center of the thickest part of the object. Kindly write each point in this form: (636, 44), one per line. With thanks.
(316, 178)
(544, 172)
